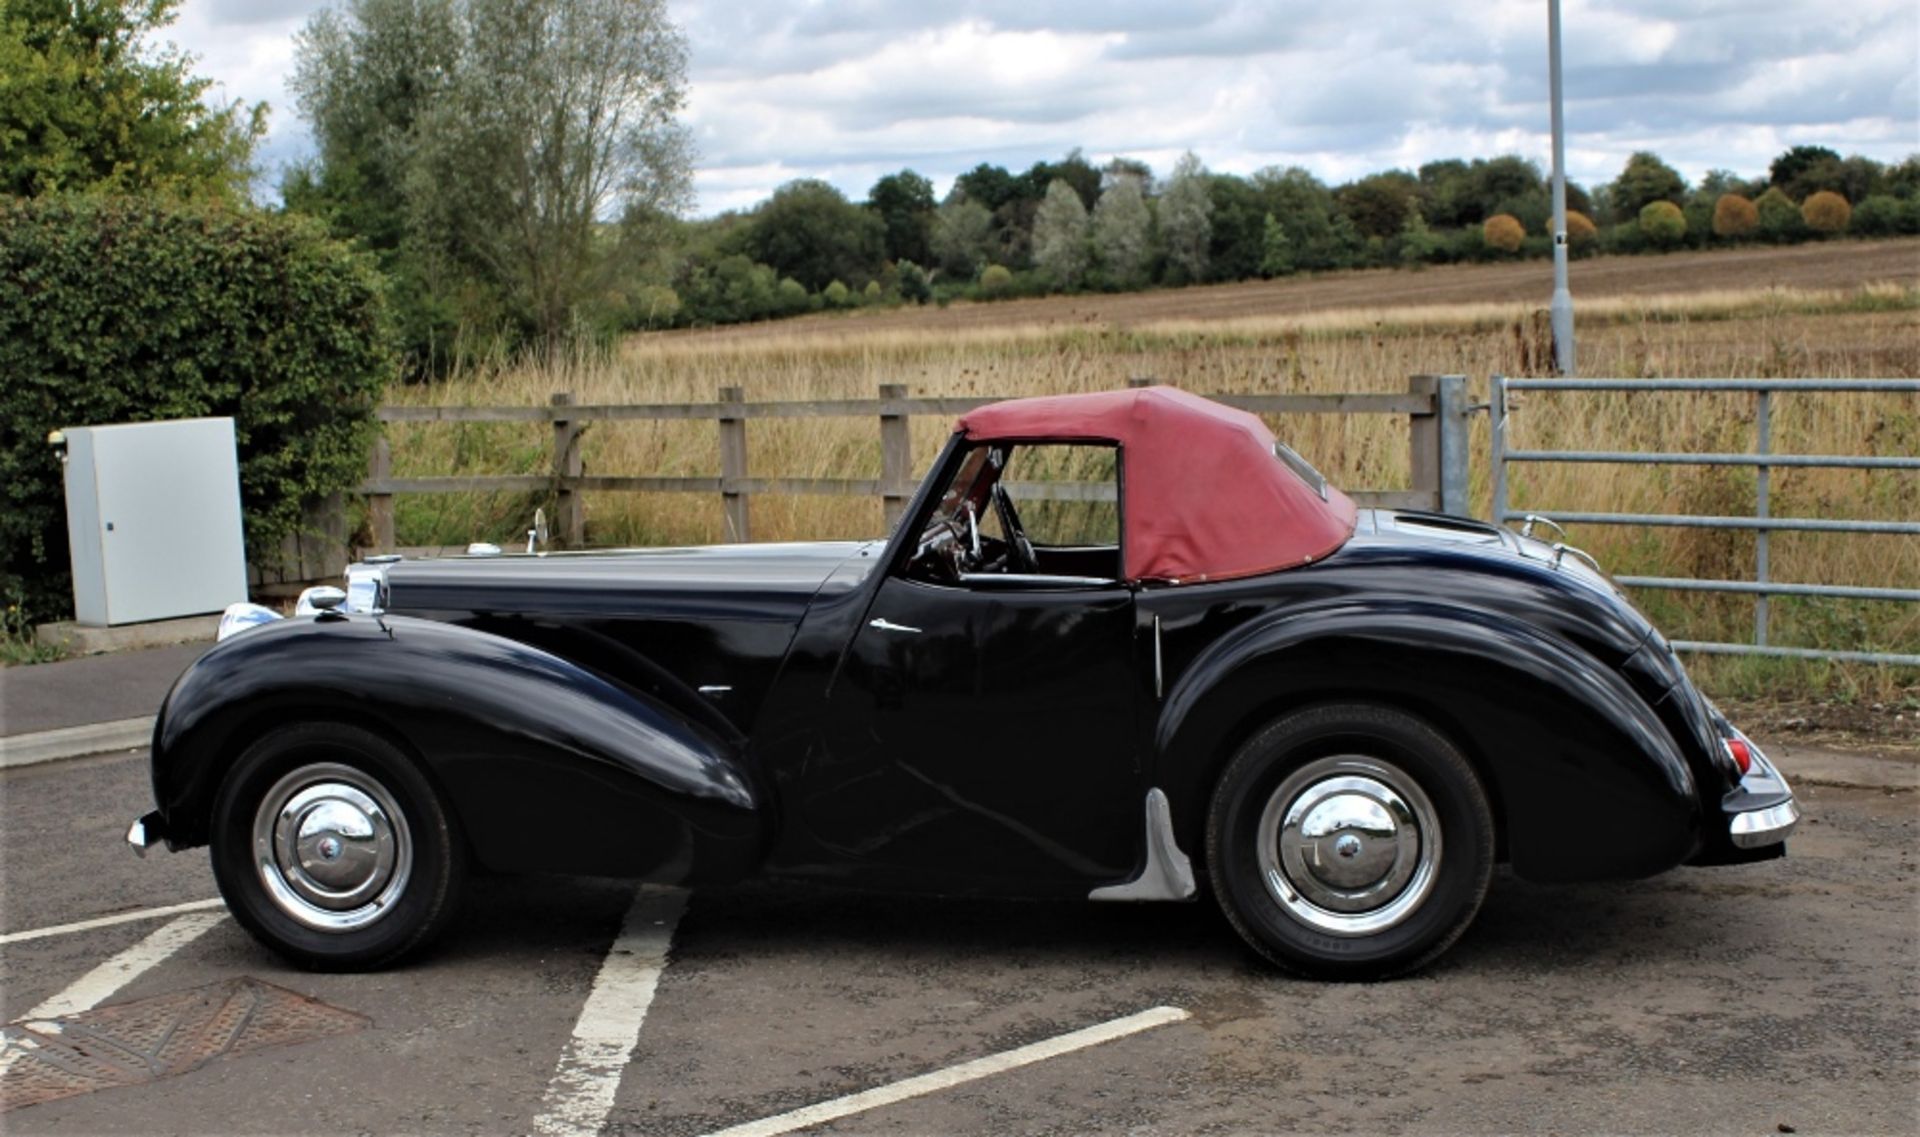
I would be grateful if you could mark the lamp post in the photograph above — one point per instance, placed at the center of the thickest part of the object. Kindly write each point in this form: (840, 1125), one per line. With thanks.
(1562, 309)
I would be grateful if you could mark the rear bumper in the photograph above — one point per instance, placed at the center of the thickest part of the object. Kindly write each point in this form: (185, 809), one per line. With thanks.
(1755, 817)
(1756, 827)
(1761, 810)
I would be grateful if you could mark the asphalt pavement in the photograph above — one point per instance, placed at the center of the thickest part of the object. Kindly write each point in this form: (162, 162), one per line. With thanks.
(90, 689)
(1775, 997)
(1729, 1000)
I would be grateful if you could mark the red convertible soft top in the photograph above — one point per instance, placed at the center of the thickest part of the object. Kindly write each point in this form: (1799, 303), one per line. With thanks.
(1207, 497)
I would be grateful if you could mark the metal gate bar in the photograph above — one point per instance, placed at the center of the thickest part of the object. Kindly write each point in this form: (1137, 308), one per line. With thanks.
(1762, 524)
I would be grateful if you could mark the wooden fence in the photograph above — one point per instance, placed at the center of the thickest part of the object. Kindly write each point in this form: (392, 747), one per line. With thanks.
(1434, 406)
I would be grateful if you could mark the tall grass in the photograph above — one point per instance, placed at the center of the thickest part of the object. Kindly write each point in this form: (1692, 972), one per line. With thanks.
(1867, 332)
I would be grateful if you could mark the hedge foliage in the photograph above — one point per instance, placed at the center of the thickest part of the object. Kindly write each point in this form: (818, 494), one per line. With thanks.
(1662, 223)
(1581, 231)
(132, 310)
(1503, 231)
(1734, 216)
(1826, 213)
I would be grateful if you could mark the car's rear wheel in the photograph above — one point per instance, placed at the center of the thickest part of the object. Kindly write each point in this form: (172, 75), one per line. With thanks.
(332, 847)
(1350, 841)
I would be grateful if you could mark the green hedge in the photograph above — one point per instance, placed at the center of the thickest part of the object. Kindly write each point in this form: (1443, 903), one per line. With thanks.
(129, 310)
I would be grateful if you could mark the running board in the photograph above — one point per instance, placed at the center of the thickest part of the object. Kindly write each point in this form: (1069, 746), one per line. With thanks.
(1167, 875)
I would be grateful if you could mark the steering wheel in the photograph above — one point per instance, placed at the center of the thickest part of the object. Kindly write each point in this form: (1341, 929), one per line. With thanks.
(943, 550)
(1020, 554)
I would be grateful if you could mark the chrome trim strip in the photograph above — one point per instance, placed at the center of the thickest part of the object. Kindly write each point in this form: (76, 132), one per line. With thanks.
(1037, 578)
(1159, 671)
(887, 625)
(1769, 826)
(1167, 875)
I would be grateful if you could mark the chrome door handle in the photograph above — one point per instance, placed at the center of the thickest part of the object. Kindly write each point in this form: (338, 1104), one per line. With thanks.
(890, 626)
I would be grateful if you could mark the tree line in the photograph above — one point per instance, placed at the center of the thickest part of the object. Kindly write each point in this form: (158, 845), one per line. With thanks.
(1071, 225)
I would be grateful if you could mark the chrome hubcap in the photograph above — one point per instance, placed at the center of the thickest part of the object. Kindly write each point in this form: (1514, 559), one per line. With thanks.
(1349, 845)
(332, 847)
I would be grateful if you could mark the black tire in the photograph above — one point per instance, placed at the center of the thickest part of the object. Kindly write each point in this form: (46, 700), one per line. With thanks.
(1353, 902)
(367, 865)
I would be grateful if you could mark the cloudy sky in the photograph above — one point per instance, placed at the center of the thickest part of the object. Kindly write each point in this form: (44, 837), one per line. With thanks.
(847, 90)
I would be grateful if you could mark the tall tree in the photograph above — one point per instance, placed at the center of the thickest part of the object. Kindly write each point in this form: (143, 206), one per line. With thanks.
(1796, 161)
(962, 235)
(904, 202)
(1060, 236)
(1302, 208)
(1120, 169)
(1378, 203)
(1074, 169)
(363, 78)
(1446, 192)
(1276, 250)
(809, 231)
(1644, 180)
(1237, 218)
(87, 102)
(1186, 222)
(1122, 231)
(533, 144)
(1505, 184)
(992, 186)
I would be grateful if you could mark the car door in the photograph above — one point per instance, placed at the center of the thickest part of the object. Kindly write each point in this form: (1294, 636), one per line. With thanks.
(983, 731)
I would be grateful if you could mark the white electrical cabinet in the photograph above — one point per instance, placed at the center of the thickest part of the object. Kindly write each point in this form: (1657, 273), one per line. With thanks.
(153, 520)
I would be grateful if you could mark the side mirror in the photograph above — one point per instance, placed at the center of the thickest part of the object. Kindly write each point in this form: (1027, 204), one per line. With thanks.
(319, 600)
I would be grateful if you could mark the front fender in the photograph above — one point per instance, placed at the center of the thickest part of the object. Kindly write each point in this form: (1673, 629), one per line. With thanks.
(1586, 781)
(548, 766)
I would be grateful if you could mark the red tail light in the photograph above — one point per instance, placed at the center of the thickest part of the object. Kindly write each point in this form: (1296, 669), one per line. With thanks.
(1742, 757)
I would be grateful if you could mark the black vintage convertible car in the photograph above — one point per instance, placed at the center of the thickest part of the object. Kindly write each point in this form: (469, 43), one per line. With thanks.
(1123, 645)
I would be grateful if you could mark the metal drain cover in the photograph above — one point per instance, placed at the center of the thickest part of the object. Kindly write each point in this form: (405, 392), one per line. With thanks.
(129, 1043)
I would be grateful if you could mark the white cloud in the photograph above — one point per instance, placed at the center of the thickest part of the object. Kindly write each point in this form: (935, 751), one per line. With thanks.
(848, 90)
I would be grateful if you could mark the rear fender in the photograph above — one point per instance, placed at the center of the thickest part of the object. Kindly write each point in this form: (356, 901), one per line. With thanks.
(1586, 781)
(548, 766)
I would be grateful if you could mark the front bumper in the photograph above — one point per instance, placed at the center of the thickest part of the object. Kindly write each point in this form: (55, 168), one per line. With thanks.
(146, 832)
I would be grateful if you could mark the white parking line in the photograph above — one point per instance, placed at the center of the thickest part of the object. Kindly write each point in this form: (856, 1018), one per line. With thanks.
(109, 921)
(93, 988)
(580, 1095)
(98, 985)
(952, 1076)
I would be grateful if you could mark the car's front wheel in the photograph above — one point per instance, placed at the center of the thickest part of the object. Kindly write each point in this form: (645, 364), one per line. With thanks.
(1350, 841)
(332, 847)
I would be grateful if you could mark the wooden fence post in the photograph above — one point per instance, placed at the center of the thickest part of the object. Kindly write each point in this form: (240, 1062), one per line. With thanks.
(1423, 442)
(380, 505)
(733, 463)
(896, 455)
(569, 519)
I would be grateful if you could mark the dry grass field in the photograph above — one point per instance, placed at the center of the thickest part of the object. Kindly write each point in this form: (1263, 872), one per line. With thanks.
(1841, 310)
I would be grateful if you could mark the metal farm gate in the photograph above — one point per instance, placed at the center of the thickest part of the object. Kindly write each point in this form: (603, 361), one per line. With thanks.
(1761, 523)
